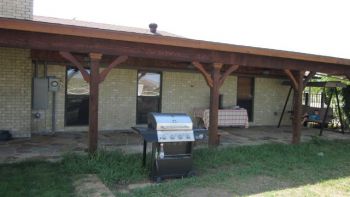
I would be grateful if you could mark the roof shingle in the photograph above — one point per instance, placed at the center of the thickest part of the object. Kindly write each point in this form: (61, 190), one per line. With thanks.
(80, 23)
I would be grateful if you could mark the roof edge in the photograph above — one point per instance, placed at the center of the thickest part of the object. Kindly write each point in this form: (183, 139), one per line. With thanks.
(81, 31)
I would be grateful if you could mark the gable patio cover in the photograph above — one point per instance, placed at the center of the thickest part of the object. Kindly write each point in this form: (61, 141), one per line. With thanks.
(214, 60)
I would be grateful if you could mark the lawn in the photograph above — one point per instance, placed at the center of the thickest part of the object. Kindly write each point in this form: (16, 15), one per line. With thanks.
(316, 168)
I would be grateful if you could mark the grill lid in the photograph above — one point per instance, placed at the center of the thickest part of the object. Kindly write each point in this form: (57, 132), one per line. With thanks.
(170, 122)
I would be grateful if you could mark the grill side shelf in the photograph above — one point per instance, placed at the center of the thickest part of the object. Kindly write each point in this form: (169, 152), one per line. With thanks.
(148, 135)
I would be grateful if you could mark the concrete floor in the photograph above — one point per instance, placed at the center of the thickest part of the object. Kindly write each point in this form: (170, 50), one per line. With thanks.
(52, 147)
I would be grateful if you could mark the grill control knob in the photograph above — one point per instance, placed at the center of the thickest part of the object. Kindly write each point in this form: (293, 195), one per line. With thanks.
(179, 136)
(172, 137)
(188, 136)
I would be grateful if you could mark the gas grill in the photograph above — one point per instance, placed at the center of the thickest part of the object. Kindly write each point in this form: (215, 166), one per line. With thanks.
(172, 136)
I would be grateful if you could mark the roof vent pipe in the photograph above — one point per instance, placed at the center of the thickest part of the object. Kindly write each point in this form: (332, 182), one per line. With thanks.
(153, 27)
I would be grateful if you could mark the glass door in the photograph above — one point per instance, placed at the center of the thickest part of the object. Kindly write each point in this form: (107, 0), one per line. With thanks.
(77, 98)
(148, 95)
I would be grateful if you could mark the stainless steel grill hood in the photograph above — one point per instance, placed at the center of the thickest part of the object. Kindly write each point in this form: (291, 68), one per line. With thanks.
(175, 127)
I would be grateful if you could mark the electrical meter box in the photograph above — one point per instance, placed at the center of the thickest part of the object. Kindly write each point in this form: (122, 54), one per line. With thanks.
(54, 84)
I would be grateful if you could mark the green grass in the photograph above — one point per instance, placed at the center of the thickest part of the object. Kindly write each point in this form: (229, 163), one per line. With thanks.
(247, 170)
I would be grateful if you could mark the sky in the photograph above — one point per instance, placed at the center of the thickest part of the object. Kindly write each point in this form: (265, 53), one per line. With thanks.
(311, 26)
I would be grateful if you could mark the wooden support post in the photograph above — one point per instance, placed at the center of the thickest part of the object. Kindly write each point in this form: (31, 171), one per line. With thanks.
(339, 111)
(326, 113)
(94, 79)
(297, 107)
(93, 100)
(214, 106)
(298, 86)
(214, 80)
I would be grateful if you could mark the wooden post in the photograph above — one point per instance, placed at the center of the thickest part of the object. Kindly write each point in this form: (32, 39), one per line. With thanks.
(214, 105)
(93, 100)
(339, 111)
(297, 107)
(326, 113)
(94, 79)
(298, 85)
(214, 81)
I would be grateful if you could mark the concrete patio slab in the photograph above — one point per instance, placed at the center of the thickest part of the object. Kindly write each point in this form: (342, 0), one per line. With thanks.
(52, 147)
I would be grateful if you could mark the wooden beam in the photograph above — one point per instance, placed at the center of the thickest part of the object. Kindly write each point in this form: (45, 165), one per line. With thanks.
(309, 77)
(93, 101)
(43, 41)
(96, 33)
(205, 74)
(69, 57)
(292, 79)
(214, 106)
(230, 70)
(112, 65)
(297, 108)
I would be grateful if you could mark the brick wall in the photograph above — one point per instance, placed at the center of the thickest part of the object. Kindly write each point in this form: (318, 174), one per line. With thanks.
(117, 102)
(20, 9)
(15, 91)
(181, 92)
(184, 91)
(269, 99)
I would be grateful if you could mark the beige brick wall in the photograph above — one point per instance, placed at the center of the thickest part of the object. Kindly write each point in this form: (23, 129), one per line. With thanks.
(15, 91)
(181, 92)
(20, 9)
(184, 91)
(117, 102)
(269, 99)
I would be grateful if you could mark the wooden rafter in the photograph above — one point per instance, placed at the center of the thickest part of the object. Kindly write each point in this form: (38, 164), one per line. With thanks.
(292, 78)
(112, 65)
(206, 75)
(309, 77)
(230, 70)
(69, 57)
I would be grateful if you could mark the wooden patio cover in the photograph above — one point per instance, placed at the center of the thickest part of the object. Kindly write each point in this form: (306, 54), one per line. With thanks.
(215, 61)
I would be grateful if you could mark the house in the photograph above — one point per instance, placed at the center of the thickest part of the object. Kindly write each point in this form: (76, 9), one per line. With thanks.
(163, 72)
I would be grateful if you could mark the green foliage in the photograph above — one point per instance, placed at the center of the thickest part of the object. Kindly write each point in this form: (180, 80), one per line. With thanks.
(35, 178)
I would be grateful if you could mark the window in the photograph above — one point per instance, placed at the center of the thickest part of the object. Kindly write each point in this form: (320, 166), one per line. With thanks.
(148, 95)
(77, 98)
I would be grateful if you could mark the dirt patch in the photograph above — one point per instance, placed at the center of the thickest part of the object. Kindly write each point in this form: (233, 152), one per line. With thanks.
(238, 187)
(91, 186)
(126, 188)
(253, 185)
